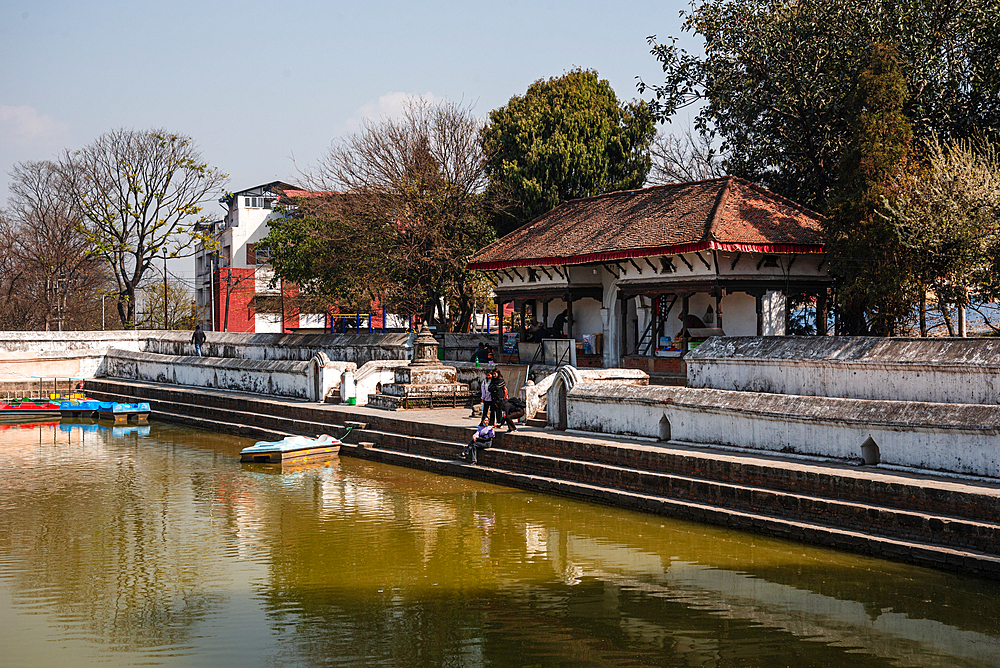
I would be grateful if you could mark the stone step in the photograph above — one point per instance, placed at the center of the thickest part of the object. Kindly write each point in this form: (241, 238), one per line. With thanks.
(934, 556)
(225, 418)
(234, 428)
(539, 420)
(870, 518)
(825, 480)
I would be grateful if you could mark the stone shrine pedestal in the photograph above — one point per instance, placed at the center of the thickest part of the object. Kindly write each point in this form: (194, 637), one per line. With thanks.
(424, 383)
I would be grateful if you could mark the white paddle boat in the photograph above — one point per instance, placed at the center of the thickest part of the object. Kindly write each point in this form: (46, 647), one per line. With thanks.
(291, 449)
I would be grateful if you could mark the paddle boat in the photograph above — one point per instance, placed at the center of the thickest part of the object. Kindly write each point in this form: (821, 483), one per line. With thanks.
(31, 409)
(137, 413)
(291, 449)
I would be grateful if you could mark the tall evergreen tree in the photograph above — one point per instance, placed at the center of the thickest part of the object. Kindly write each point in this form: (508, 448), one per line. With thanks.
(566, 137)
(875, 280)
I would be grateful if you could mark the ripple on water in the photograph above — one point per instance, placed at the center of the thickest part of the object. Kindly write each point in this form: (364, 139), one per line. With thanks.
(163, 549)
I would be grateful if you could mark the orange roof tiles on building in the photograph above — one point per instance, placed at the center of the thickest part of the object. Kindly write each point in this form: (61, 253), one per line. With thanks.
(721, 214)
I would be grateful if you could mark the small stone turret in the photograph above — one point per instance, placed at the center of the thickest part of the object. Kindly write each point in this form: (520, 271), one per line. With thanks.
(425, 348)
(423, 383)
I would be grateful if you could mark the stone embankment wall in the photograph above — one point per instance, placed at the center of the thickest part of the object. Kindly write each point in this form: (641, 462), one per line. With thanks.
(928, 404)
(79, 354)
(355, 348)
(66, 354)
(312, 380)
(962, 438)
(934, 370)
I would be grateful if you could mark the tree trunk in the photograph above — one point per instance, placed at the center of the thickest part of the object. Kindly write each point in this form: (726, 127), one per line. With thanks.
(947, 317)
(923, 311)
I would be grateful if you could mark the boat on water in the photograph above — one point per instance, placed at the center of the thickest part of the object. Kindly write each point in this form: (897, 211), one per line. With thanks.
(120, 413)
(29, 409)
(295, 449)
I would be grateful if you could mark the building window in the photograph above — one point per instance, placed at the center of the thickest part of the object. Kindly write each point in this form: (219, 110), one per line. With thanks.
(251, 254)
(253, 202)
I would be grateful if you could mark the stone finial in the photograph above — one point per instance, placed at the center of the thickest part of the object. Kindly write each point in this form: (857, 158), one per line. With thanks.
(425, 348)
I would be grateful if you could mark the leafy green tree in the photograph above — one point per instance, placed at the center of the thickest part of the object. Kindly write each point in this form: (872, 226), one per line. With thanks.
(946, 212)
(874, 273)
(139, 193)
(404, 207)
(776, 77)
(566, 137)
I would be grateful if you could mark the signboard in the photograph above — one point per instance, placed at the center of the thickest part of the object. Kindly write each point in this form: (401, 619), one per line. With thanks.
(510, 342)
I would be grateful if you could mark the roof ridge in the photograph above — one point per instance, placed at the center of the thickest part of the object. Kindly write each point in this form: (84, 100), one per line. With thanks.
(720, 204)
(640, 189)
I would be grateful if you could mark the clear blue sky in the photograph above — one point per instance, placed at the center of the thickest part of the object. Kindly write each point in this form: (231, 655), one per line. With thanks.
(257, 84)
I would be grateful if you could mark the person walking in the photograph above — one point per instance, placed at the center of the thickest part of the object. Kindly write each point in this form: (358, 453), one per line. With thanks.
(198, 339)
(482, 439)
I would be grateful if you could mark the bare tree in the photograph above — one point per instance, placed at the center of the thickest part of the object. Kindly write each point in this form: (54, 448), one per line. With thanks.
(139, 194)
(404, 211)
(51, 275)
(180, 306)
(685, 157)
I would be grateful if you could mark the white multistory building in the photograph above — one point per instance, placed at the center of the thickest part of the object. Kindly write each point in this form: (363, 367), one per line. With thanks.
(233, 280)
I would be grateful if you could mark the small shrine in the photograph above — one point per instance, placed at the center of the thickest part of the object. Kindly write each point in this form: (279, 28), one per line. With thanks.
(423, 383)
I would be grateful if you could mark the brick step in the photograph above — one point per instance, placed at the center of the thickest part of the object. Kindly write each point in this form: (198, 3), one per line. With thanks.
(955, 497)
(199, 399)
(865, 517)
(934, 556)
(961, 499)
(207, 414)
(540, 420)
(234, 428)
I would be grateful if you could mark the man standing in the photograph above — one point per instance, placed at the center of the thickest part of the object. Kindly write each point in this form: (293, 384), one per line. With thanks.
(198, 339)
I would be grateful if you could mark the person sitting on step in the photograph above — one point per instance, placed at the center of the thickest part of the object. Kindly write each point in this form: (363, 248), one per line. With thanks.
(482, 439)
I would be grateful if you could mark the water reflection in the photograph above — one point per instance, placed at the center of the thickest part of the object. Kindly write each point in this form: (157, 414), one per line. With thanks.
(154, 544)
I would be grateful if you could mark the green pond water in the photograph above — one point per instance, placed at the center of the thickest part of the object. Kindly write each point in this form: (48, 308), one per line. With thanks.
(155, 546)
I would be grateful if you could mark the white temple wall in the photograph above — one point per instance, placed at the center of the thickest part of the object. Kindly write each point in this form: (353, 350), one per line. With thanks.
(587, 318)
(739, 314)
(773, 314)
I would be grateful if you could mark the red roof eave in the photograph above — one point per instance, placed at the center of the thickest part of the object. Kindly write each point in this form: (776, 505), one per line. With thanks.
(646, 252)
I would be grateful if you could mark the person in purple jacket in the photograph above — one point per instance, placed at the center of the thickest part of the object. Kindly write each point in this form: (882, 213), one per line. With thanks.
(482, 439)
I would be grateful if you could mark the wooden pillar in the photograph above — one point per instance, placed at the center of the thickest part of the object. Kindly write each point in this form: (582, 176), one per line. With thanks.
(545, 314)
(788, 312)
(623, 328)
(821, 313)
(523, 328)
(685, 337)
(569, 316)
(499, 329)
(759, 298)
(718, 310)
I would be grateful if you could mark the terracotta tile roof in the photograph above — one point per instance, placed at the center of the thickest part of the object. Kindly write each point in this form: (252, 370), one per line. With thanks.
(306, 194)
(724, 214)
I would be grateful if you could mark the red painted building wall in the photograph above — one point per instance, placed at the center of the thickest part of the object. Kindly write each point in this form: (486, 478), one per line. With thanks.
(239, 285)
